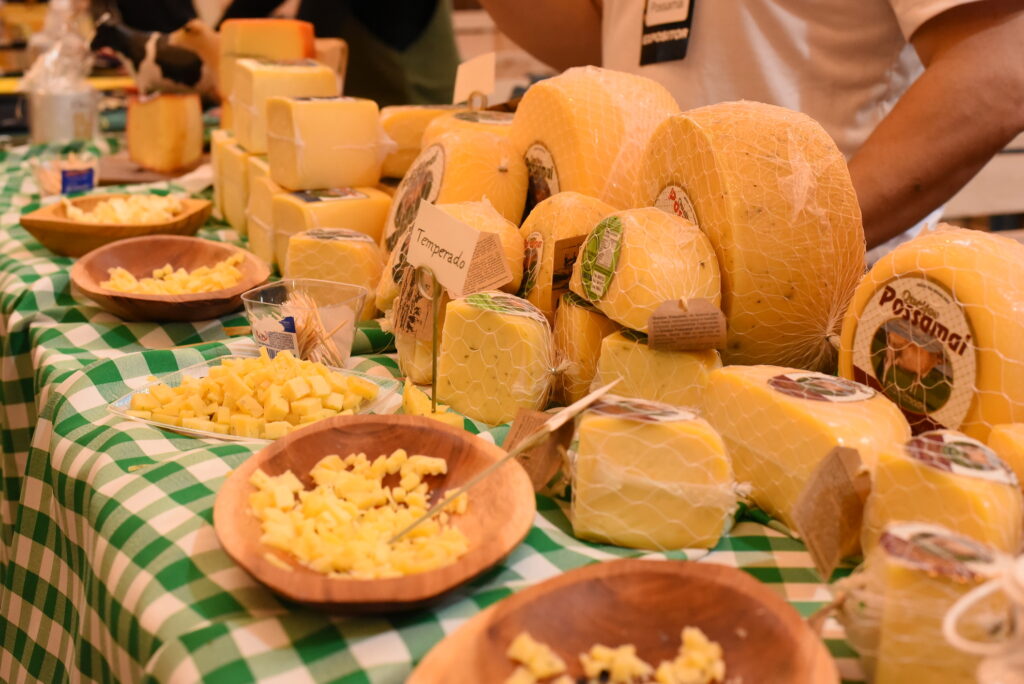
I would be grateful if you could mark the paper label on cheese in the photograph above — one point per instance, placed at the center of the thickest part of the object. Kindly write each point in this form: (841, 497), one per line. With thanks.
(543, 175)
(694, 325)
(421, 182)
(959, 454)
(338, 234)
(276, 334)
(674, 200)
(935, 550)
(915, 345)
(566, 251)
(639, 410)
(532, 252)
(820, 387)
(599, 258)
(486, 117)
(330, 195)
(413, 311)
(505, 303)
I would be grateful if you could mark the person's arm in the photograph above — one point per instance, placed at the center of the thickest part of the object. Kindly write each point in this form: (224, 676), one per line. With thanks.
(560, 33)
(966, 106)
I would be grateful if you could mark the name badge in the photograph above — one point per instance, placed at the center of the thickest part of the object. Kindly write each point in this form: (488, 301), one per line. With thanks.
(666, 30)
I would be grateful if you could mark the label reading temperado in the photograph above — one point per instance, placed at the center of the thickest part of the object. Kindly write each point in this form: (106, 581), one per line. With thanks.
(820, 387)
(330, 195)
(534, 248)
(915, 345)
(422, 182)
(543, 176)
(599, 257)
(955, 453)
(673, 200)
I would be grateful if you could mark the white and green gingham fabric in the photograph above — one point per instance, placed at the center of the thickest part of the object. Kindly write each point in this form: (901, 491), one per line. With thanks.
(111, 570)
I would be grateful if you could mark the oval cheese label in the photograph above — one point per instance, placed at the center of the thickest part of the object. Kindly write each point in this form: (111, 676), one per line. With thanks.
(534, 248)
(543, 176)
(938, 551)
(330, 195)
(673, 200)
(421, 182)
(914, 344)
(599, 257)
(505, 303)
(338, 234)
(640, 410)
(486, 117)
(955, 453)
(820, 387)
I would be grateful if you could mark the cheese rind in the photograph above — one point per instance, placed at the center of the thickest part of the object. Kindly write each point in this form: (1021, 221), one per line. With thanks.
(578, 332)
(165, 132)
(1008, 442)
(336, 254)
(634, 260)
(359, 209)
(405, 125)
(779, 423)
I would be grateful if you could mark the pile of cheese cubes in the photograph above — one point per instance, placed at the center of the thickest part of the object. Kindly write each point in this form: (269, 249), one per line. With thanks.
(168, 280)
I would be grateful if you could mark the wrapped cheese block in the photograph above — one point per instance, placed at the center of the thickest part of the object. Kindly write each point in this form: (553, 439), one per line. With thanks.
(359, 209)
(1007, 441)
(579, 330)
(259, 217)
(218, 139)
(405, 125)
(635, 260)
(946, 478)
(165, 132)
(672, 377)
(937, 326)
(779, 423)
(344, 256)
(498, 123)
(772, 192)
(585, 130)
(234, 193)
(648, 475)
(553, 233)
(495, 357)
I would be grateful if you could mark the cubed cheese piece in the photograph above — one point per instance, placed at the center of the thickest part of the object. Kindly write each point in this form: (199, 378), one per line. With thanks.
(165, 132)
(1008, 443)
(257, 80)
(649, 475)
(937, 325)
(358, 209)
(259, 215)
(779, 423)
(344, 256)
(495, 357)
(579, 330)
(635, 260)
(405, 125)
(673, 377)
(323, 142)
(497, 123)
(234, 194)
(268, 38)
(949, 479)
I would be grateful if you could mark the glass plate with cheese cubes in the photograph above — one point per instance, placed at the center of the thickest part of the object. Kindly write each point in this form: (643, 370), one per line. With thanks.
(255, 398)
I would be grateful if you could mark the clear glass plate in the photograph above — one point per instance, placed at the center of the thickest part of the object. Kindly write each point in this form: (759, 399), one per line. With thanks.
(388, 399)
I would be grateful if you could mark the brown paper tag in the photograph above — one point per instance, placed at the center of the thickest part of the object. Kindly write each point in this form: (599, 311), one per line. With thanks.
(692, 325)
(542, 462)
(829, 511)
(564, 254)
(488, 269)
(413, 311)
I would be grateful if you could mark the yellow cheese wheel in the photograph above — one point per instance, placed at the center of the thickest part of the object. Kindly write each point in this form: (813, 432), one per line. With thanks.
(483, 217)
(1008, 442)
(498, 123)
(579, 329)
(770, 189)
(938, 326)
(405, 125)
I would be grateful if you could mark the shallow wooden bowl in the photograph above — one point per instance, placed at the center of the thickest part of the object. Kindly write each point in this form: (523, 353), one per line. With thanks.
(646, 603)
(52, 227)
(501, 509)
(142, 255)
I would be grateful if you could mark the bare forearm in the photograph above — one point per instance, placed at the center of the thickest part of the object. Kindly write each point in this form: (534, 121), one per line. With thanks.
(561, 33)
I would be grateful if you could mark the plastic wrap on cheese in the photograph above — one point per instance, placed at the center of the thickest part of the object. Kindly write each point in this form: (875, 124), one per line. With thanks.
(1007, 440)
(339, 255)
(771, 190)
(937, 325)
(649, 475)
(634, 260)
(259, 217)
(579, 330)
(233, 163)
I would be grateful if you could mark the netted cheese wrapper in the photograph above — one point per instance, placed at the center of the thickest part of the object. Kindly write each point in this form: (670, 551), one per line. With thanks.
(579, 329)
(405, 125)
(344, 256)
(938, 326)
(359, 209)
(1007, 441)
(771, 190)
(650, 476)
(483, 217)
(895, 602)
(553, 233)
(585, 130)
(634, 260)
(779, 423)
(495, 357)
(497, 123)
(672, 377)
(461, 166)
(947, 478)
(416, 354)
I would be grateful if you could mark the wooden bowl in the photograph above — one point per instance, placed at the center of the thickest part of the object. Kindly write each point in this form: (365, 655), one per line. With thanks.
(646, 603)
(142, 255)
(52, 227)
(501, 509)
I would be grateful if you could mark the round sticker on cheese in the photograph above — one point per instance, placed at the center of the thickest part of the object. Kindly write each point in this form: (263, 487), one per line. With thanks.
(543, 176)
(820, 387)
(938, 551)
(531, 262)
(953, 452)
(421, 183)
(599, 257)
(673, 200)
(330, 195)
(640, 410)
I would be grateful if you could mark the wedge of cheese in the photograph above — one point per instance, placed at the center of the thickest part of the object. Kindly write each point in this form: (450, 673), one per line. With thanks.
(634, 260)
(495, 357)
(937, 326)
(779, 423)
(234, 194)
(165, 132)
(772, 192)
(323, 142)
(405, 125)
(1008, 443)
(359, 209)
(553, 233)
(671, 377)
(340, 255)
(648, 475)
(579, 330)
(498, 123)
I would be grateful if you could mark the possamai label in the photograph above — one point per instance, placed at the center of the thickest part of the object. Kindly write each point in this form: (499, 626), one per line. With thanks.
(936, 550)
(330, 195)
(914, 344)
(543, 176)
(486, 117)
(505, 303)
(338, 234)
(599, 258)
(422, 182)
(956, 453)
(639, 410)
(820, 387)
(534, 249)
(673, 200)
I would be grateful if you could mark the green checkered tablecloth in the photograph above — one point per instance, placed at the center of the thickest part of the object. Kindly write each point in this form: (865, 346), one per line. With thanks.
(111, 568)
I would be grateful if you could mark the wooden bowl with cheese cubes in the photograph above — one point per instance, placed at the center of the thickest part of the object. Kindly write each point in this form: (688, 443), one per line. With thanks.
(168, 278)
(317, 474)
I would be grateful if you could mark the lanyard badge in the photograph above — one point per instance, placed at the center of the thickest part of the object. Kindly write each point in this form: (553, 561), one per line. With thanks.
(666, 30)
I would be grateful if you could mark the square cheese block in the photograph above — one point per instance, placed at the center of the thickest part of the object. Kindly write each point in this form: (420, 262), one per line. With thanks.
(278, 39)
(218, 139)
(332, 52)
(359, 209)
(779, 423)
(344, 256)
(1007, 440)
(649, 475)
(495, 357)
(947, 478)
(323, 142)
(405, 124)
(674, 377)
(234, 167)
(257, 80)
(259, 216)
(579, 330)
(165, 132)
